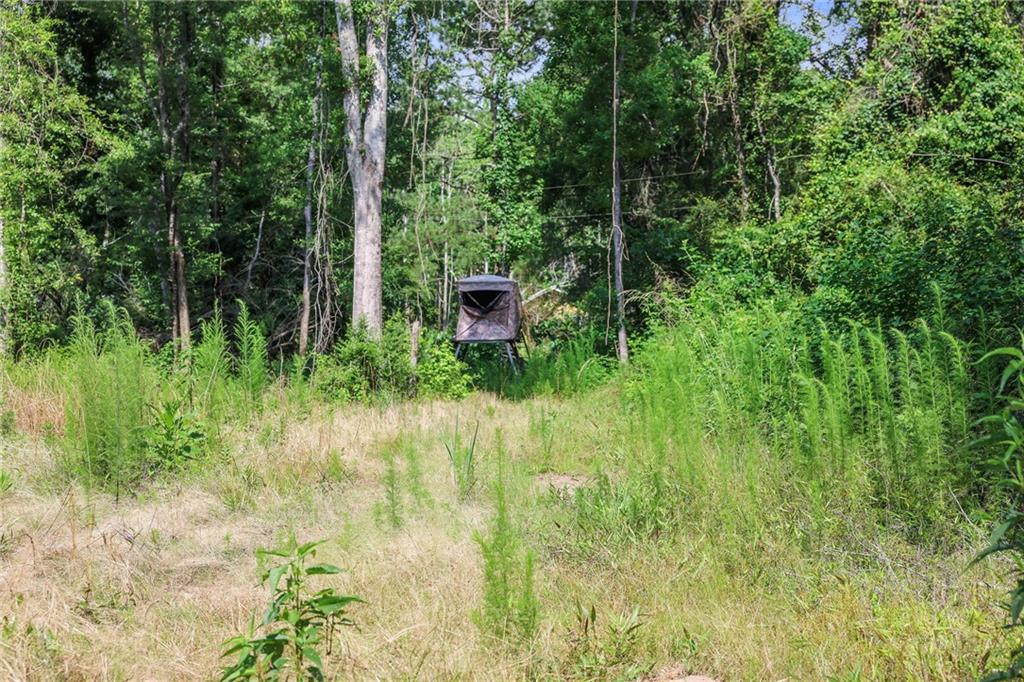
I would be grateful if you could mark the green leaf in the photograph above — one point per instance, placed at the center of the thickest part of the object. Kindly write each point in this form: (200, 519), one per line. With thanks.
(1007, 350)
(306, 548)
(274, 575)
(311, 654)
(330, 604)
(322, 569)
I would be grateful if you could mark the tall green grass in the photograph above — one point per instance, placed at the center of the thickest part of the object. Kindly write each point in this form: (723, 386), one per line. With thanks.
(211, 370)
(746, 412)
(111, 381)
(253, 372)
(566, 367)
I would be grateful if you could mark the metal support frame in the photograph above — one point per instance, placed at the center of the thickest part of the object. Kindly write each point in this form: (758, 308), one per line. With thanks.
(515, 361)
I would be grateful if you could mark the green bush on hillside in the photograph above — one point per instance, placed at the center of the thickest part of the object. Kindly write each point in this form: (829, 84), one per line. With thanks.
(440, 374)
(360, 368)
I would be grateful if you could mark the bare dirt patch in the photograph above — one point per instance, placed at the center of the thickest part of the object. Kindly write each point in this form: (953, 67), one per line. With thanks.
(677, 673)
(563, 485)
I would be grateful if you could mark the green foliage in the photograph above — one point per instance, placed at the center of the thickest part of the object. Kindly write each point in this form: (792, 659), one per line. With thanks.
(911, 184)
(440, 374)
(637, 508)
(253, 372)
(610, 653)
(360, 368)
(860, 417)
(391, 509)
(110, 381)
(211, 368)
(300, 392)
(50, 139)
(299, 626)
(404, 488)
(1005, 441)
(176, 436)
(510, 606)
(462, 457)
(562, 367)
(126, 418)
(414, 474)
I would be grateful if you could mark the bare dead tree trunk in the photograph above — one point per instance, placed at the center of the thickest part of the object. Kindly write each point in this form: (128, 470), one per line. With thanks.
(307, 257)
(414, 341)
(622, 344)
(180, 281)
(366, 140)
(307, 214)
(325, 311)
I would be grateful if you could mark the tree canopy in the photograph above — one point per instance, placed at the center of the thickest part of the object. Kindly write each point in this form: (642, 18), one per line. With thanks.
(860, 158)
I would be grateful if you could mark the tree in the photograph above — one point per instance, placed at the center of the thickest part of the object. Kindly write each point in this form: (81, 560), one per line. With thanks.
(315, 136)
(168, 96)
(622, 343)
(48, 136)
(366, 142)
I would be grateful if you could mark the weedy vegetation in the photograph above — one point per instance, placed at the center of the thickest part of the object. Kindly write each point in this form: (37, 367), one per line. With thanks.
(839, 477)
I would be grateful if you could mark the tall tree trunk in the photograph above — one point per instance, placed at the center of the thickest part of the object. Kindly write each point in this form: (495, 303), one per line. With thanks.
(174, 146)
(622, 344)
(182, 133)
(366, 140)
(311, 160)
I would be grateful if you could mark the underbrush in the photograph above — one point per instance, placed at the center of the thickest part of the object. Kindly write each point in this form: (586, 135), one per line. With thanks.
(564, 367)
(744, 449)
(742, 422)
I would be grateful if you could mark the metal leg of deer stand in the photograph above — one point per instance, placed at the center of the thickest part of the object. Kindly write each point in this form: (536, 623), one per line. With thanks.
(513, 356)
(459, 350)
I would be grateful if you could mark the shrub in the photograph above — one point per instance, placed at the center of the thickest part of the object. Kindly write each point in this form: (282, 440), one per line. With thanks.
(510, 606)
(1006, 443)
(861, 418)
(564, 367)
(176, 436)
(359, 368)
(441, 374)
(211, 368)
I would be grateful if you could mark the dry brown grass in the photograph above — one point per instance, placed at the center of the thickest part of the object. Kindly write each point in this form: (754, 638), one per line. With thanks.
(95, 588)
(37, 409)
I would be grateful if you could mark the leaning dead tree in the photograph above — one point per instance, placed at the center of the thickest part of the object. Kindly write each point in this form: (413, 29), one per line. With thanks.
(365, 103)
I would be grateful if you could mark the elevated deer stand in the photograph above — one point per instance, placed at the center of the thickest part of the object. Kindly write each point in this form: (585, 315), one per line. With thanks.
(490, 311)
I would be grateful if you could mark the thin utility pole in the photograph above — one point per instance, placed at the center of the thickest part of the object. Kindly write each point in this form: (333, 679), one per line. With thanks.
(622, 347)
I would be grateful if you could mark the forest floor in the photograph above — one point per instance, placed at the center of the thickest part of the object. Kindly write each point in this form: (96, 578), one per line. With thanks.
(100, 586)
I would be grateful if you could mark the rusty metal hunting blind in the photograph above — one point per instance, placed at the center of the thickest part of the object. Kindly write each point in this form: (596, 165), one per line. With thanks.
(490, 311)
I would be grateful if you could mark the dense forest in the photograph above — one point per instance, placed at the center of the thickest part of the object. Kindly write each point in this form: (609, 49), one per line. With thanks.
(857, 159)
(771, 257)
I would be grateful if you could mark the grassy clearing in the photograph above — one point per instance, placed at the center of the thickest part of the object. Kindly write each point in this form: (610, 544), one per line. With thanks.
(751, 501)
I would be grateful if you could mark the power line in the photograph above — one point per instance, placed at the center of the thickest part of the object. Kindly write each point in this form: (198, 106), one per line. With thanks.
(638, 179)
